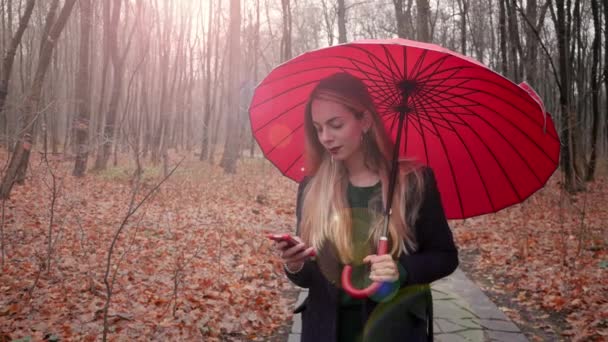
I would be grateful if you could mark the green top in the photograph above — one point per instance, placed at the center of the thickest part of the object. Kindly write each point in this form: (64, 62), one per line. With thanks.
(350, 315)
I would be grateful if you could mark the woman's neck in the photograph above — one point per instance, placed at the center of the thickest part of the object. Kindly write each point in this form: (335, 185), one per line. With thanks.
(358, 173)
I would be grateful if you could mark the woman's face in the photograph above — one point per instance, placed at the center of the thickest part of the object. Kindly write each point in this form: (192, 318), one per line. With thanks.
(338, 130)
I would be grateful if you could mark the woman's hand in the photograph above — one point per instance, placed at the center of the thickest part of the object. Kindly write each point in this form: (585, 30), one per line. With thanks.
(294, 257)
(383, 268)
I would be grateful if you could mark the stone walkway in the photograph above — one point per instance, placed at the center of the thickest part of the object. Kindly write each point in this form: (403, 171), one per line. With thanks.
(462, 313)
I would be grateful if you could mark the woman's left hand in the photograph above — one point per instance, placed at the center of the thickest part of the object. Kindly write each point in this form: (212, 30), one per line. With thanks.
(383, 268)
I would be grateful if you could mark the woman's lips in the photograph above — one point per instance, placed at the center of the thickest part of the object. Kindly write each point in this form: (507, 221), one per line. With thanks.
(335, 150)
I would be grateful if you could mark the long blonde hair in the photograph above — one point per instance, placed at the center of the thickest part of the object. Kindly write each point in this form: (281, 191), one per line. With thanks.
(326, 215)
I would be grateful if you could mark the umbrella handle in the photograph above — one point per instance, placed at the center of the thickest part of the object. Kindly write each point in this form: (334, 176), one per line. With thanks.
(348, 270)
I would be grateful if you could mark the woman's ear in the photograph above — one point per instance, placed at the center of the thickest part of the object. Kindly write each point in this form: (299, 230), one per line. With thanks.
(366, 121)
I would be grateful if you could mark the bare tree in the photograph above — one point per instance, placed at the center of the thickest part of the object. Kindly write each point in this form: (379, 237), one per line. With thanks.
(535, 22)
(217, 105)
(341, 22)
(568, 151)
(329, 17)
(107, 32)
(423, 20)
(464, 9)
(20, 157)
(9, 58)
(207, 67)
(515, 50)
(231, 152)
(118, 59)
(256, 55)
(286, 40)
(82, 91)
(403, 17)
(595, 90)
(502, 26)
(605, 2)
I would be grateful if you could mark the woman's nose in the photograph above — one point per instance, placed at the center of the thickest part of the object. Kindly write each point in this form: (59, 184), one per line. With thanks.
(324, 136)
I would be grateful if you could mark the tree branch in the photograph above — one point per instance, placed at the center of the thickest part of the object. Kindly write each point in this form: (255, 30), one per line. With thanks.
(533, 28)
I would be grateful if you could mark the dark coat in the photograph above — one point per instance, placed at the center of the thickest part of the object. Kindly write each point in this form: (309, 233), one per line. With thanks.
(406, 316)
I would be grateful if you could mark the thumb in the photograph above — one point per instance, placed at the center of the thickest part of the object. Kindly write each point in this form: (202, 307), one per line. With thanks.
(369, 259)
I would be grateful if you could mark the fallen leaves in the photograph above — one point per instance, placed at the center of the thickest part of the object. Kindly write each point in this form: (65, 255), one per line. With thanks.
(206, 225)
(229, 286)
(548, 253)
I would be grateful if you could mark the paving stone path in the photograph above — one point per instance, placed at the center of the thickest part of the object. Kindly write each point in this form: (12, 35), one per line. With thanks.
(462, 313)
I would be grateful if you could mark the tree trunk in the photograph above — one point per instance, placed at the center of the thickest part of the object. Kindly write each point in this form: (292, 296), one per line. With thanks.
(231, 153)
(207, 118)
(329, 23)
(100, 113)
(531, 45)
(572, 179)
(514, 43)
(606, 67)
(160, 149)
(423, 21)
(81, 126)
(595, 90)
(118, 68)
(218, 70)
(580, 66)
(145, 116)
(7, 63)
(188, 124)
(256, 49)
(20, 156)
(401, 17)
(502, 26)
(493, 59)
(51, 117)
(341, 22)
(464, 8)
(286, 41)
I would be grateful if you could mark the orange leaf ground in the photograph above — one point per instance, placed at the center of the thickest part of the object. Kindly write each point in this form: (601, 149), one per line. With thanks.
(202, 231)
(203, 234)
(545, 261)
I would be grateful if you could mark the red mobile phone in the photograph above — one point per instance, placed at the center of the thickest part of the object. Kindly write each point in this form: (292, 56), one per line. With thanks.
(284, 237)
(287, 238)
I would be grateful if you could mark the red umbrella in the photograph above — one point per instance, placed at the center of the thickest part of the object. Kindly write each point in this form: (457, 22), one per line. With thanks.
(489, 141)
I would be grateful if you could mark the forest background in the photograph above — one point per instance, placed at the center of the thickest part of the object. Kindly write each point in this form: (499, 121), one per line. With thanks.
(134, 196)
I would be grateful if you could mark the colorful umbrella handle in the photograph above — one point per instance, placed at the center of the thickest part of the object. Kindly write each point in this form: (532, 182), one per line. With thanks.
(370, 290)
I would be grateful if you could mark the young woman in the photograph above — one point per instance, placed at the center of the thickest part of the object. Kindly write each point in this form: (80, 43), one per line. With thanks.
(339, 215)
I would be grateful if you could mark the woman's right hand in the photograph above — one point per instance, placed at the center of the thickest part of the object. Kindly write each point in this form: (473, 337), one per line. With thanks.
(295, 256)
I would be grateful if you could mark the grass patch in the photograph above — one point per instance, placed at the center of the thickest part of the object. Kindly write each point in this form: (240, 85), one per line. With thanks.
(123, 174)
(154, 173)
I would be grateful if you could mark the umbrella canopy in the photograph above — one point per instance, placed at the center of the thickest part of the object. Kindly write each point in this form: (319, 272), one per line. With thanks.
(489, 141)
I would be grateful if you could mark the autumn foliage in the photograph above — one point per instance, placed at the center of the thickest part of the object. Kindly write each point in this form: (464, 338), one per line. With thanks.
(547, 259)
(193, 262)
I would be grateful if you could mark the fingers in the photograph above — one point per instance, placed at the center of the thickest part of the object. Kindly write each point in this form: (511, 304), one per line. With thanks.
(383, 279)
(383, 268)
(282, 245)
(290, 251)
(378, 259)
(295, 254)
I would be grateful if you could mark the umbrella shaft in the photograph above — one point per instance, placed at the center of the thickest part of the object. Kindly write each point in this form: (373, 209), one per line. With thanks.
(394, 169)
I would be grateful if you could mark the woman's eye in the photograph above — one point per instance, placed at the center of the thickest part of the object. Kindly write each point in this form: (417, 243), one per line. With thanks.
(337, 126)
